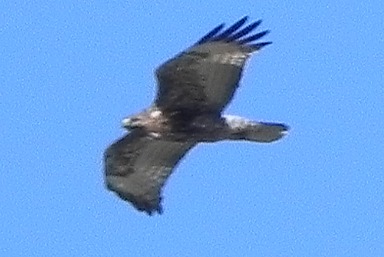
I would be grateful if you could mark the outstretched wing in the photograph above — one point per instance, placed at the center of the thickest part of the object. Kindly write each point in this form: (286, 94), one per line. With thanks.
(205, 77)
(136, 168)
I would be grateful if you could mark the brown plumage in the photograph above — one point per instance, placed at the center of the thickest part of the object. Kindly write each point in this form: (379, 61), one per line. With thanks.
(193, 89)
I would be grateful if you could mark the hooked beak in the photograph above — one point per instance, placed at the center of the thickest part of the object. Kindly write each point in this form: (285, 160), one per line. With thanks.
(130, 123)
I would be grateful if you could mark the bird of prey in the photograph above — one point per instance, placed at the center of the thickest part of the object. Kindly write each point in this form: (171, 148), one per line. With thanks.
(193, 89)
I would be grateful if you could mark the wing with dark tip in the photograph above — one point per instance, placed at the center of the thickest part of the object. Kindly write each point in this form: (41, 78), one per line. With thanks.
(204, 77)
(136, 168)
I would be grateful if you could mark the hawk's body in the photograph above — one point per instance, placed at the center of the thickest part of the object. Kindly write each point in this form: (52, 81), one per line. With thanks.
(194, 88)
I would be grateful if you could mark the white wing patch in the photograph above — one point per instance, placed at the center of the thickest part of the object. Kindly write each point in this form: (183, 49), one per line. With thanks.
(155, 114)
(236, 122)
(234, 58)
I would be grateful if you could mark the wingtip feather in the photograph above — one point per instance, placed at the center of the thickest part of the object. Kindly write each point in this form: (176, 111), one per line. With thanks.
(236, 33)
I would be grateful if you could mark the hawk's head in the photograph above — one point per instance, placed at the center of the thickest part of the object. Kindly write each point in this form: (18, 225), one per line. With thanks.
(151, 120)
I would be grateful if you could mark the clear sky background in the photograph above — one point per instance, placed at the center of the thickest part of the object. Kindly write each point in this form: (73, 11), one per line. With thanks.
(71, 70)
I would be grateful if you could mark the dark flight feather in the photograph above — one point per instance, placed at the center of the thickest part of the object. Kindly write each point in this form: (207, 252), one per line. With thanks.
(204, 77)
(137, 166)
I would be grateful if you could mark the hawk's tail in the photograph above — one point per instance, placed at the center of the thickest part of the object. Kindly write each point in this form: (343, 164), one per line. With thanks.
(263, 132)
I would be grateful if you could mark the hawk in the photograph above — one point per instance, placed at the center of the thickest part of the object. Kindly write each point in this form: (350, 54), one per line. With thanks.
(193, 89)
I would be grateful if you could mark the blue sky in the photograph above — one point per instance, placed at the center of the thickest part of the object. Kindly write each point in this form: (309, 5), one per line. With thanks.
(71, 70)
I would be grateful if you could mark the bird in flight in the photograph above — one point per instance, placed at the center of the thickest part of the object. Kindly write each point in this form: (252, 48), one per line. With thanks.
(193, 89)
